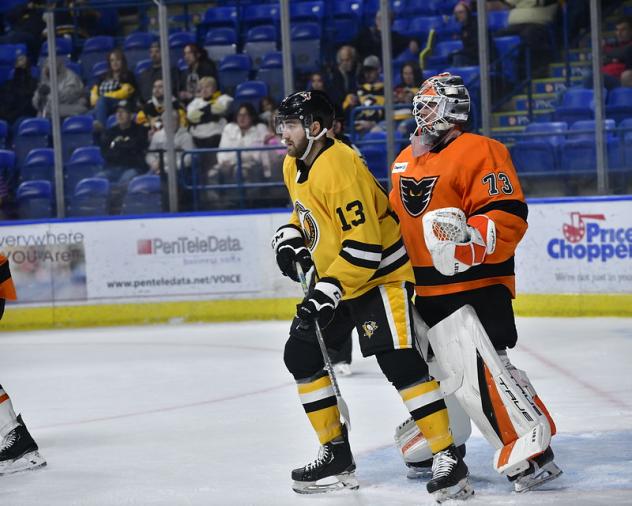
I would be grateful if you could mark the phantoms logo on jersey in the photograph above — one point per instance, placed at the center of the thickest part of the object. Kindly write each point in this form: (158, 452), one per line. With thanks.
(308, 224)
(416, 194)
(587, 238)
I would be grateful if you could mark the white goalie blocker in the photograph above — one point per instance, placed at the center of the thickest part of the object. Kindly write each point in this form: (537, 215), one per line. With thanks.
(498, 397)
(412, 444)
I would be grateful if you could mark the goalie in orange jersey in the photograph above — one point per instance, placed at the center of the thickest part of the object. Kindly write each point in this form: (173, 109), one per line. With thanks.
(18, 451)
(462, 214)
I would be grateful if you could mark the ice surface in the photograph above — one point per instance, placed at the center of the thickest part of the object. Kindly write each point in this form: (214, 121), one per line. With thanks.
(208, 415)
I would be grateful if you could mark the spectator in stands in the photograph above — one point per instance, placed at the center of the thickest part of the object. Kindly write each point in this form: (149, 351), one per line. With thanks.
(469, 36)
(616, 66)
(369, 40)
(244, 132)
(268, 108)
(182, 141)
(147, 77)
(27, 25)
(17, 92)
(343, 77)
(117, 84)
(69, 90)
(529, 19)
(316, 81)
(410, 79)
(152, 110)
(124, 147)
(198, 66)
(370, 92)
(207, 113)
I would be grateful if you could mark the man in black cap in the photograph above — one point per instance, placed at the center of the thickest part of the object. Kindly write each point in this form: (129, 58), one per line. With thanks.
(123, 148)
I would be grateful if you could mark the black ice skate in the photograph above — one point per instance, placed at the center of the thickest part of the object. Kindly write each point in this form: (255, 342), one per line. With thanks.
(18, 451)
(332, 470)
(423, 469)
(541, 469)
(449, 476)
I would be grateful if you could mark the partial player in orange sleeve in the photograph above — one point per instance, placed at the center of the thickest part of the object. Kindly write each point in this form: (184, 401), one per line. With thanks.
(462, 214)
(18, 450)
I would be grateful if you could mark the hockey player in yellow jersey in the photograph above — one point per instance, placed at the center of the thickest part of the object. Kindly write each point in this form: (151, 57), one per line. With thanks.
(343, 228)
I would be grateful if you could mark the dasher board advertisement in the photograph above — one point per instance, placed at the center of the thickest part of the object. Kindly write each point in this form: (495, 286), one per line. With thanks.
(577, 246)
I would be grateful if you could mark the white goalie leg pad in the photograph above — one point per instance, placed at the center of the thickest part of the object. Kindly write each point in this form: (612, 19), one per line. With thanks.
(508, 418)
(411, 443)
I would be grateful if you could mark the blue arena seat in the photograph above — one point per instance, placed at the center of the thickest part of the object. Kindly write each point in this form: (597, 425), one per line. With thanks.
(440, 56)
(540, 153)
(260, 40)
(234, 69)
(35, 200)
(219, 42)
(32, 133)
(508, 52)
(400, 25)
(91, 197)
(307, 12)
(271, 72)
(263, 14)
(218, 17)
(577, 104)
(98, 70)
(143, 196)
(250, 91)
(579, 151)
(619, 104)
(4, 133)
(497, 20)
(63, 44)
(420, 26)
(95, 49)
(375, 153)
(141, 66)
(306, 39)
(347, 19)
(136, 47)
(626, 142)
(39, 164)
(76, 131)
(84, 163)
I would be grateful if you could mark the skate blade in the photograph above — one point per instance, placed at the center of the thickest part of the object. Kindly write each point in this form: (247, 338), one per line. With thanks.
(459, 492)
(419, 473)
(546, 473)
(342, 481)
(27, 462)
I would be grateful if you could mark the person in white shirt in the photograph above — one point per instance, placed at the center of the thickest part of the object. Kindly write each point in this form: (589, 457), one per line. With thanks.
(244, 132)
(207, 113)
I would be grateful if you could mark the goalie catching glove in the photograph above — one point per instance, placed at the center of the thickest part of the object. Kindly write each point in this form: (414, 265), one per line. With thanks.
(320, 303)
(456, 244)
(289, 247)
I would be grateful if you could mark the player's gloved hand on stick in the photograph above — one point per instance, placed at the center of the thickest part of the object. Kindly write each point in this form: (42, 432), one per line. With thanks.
(320, 303)
(289, 247)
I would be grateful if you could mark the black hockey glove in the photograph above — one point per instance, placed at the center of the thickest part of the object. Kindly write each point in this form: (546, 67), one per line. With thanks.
(320, 303)
(289, 247)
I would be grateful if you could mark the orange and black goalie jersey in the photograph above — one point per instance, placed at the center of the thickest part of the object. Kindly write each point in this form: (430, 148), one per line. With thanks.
(475, 174)
(350, 229)
(7, 289)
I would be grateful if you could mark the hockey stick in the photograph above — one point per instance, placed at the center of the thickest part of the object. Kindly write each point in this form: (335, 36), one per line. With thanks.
(342, 405)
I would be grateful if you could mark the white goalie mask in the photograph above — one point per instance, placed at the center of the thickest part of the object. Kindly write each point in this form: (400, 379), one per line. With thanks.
(441, 103)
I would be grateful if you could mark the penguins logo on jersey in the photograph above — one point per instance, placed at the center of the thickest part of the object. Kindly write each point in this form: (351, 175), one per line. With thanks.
(415, 194)
(369, 328)
(308, 224)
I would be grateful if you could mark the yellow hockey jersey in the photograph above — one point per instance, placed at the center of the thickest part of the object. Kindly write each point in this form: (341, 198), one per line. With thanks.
(349, 227)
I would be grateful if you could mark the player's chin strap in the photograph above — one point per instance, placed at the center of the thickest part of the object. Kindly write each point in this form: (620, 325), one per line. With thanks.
(310, 142)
